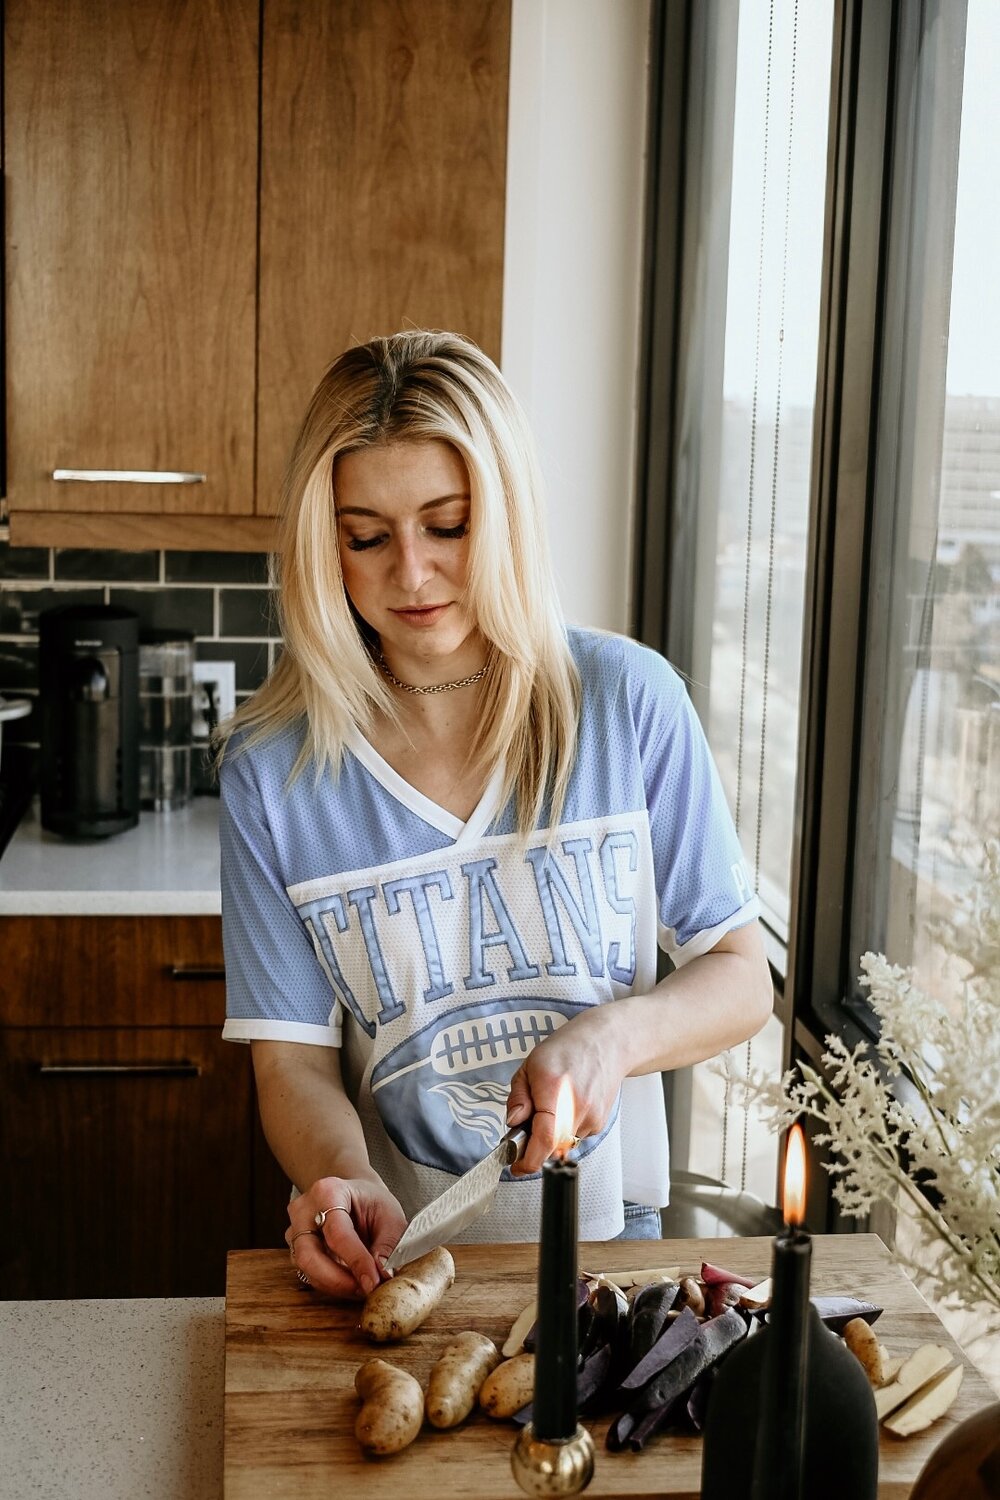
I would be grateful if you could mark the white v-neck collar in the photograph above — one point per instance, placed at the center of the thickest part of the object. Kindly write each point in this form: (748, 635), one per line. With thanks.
(431, 812)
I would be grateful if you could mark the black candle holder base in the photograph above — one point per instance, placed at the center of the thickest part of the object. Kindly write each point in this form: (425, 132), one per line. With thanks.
(840, 1442)
(545, 1467)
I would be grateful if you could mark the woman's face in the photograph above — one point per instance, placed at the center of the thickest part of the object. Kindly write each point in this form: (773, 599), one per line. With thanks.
(403, 529)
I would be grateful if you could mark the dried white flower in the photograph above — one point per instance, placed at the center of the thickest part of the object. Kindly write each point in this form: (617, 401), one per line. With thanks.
(936, 1147)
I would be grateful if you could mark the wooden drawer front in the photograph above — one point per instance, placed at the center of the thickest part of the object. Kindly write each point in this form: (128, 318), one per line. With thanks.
(109, 971)
(125, 1161)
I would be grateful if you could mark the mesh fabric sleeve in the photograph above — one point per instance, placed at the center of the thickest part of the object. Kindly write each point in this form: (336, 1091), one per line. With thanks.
(276, 989)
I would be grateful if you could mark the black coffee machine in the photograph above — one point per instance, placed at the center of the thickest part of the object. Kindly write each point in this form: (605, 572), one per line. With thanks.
(89, 698)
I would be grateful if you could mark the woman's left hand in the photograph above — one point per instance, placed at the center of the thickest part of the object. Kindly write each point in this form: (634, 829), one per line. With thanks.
(589, 1052)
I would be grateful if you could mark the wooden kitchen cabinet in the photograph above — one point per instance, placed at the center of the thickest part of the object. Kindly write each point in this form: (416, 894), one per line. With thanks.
(131, 1160)
(206, 201)
(131, 206)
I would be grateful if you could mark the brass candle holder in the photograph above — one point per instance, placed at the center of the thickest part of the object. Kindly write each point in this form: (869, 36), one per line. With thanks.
(553, 1466)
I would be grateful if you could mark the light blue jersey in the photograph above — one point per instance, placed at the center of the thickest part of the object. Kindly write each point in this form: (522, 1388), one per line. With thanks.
(435, 953)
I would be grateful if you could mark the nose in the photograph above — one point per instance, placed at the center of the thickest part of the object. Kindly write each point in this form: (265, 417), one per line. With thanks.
(412, 563)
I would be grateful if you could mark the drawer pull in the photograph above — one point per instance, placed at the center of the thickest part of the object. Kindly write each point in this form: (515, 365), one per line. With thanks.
(197, 971)
(127, 476)
(152, 1069)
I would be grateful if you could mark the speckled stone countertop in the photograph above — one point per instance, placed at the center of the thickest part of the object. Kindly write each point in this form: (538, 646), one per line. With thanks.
(112, 1400)
(167, 866)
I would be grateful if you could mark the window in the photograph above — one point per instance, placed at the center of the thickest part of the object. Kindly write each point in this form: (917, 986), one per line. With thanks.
(930, 782)
(819, 527)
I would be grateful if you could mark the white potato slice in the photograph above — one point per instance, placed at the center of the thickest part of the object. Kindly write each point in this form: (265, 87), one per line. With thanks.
(625, 1279)
(923, 1364)
(520, 1329)
(930, 1402)
(756, 1297)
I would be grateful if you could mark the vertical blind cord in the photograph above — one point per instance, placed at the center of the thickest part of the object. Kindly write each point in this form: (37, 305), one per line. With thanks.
(772, 526)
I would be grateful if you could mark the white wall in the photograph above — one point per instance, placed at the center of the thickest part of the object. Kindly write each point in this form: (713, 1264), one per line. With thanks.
(575, 173)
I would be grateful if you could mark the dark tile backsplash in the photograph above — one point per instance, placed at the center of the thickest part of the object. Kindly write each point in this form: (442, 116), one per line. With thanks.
(217, 595)
(171, 607)
(119, 567)
(215, 567)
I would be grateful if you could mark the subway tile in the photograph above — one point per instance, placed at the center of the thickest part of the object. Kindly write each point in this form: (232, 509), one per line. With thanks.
(18, 665)
(20, 608)
(23, 562)
(249, 612)
(170, 609)
(250, 658)
(215, 567)
(107, 567)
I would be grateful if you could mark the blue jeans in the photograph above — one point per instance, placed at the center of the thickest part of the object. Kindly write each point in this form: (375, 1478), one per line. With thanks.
(641, 1223)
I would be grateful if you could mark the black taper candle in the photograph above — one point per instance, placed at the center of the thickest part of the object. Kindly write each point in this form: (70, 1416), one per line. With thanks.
(779, 1452)
(554, 1411)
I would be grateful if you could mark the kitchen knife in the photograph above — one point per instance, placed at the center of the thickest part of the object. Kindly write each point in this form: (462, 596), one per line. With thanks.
(459, 1205)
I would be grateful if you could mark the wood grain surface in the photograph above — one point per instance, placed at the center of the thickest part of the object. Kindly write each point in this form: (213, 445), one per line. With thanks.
(383, 179)
(131, 201)
(291, 1358)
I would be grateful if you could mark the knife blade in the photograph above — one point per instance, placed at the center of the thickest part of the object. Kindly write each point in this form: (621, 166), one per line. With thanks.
(459, 1205)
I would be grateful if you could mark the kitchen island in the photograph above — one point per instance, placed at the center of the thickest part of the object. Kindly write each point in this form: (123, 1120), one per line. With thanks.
(128, 1399)
(112, 1400)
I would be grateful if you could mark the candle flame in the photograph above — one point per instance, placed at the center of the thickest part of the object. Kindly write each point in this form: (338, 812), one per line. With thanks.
(794, 1195)
(565, 1118)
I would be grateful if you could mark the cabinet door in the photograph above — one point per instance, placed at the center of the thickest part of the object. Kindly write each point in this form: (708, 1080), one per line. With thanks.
(131, 196)
(125, 1161)
(112, 971)
(383, 176)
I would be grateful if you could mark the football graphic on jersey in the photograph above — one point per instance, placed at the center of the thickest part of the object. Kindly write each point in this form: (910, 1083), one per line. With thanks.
(442, 1094)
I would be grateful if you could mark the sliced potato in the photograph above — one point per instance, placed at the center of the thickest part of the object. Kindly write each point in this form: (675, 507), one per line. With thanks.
(929, 1403)
(626, 1279)
(520, 1328)
(756, 1297)
(923, 1364)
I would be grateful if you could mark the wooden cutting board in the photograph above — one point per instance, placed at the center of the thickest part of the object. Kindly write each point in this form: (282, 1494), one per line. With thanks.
(291, 1358)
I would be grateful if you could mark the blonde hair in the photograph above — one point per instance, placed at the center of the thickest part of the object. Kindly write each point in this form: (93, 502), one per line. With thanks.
(419, 386)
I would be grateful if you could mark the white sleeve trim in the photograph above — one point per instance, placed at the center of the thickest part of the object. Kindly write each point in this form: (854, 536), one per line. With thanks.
(702, 942)
(236, 1030)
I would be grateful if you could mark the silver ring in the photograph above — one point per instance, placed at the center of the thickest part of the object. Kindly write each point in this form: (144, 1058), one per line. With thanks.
(301, 1275)
(320, 1218)
(297, 1236)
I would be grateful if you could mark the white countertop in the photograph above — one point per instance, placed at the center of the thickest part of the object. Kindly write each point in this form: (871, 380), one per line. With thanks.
(167, 866)
(113, 1400)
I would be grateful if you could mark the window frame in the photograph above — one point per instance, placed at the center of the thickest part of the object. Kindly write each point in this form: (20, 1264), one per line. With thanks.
(816, 995)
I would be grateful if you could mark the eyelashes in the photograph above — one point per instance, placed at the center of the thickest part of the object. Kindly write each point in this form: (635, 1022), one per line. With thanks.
(446, 533)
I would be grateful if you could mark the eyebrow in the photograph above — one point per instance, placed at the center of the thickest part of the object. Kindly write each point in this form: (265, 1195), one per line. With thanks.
(359, 510)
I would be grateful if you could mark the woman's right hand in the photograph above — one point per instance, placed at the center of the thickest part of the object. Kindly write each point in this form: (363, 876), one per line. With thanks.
(345, 1257)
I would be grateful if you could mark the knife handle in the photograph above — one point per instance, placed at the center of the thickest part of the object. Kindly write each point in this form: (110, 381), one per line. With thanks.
(517, 1141)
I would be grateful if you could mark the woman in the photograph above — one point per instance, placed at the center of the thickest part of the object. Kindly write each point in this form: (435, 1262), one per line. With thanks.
(452, 832)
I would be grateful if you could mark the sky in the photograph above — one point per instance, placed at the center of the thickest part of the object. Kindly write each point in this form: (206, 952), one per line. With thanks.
(792, 261)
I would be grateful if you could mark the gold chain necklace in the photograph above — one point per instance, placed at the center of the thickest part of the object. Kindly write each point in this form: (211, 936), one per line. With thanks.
(438, 687)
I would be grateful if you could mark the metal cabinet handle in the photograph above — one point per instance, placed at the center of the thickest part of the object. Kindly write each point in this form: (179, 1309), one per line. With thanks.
(197, 971)
(76, 1070)
(128, 476)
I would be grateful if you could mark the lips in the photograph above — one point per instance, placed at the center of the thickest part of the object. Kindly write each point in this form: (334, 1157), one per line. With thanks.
(424, 614)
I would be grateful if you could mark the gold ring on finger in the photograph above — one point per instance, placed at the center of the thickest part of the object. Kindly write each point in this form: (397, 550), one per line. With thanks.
(297, 1236)
(320, 1218)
